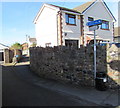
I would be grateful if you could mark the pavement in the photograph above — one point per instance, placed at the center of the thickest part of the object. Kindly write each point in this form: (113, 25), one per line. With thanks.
(89, 94)
(0, 85)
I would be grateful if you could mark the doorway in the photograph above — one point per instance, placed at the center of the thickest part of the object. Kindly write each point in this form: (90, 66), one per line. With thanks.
(71, 43)
(1, 56)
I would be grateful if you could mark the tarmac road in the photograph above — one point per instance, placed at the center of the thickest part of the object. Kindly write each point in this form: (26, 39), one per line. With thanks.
(18, 92)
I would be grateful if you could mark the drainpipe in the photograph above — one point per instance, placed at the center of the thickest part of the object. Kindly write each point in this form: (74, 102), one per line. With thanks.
(113, 33)
(82, 28)
(57, 29)
(60, 26)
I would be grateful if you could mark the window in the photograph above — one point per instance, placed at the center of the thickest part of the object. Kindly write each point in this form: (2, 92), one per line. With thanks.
(70, 19)
(105, 25)
(90, 19)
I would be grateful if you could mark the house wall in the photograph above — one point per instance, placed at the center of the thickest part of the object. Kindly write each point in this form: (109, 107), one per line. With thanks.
(25, 49)
(46, 27)
(2, 49)
(98, 11)
(73, 32)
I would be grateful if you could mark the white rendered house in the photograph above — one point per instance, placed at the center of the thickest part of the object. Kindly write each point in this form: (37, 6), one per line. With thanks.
(2, 48)
(56, 25)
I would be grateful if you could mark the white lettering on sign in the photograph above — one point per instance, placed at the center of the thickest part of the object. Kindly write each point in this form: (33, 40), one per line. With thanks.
(92, 28)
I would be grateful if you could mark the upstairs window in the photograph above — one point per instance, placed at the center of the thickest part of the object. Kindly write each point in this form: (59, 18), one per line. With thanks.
(105, 25)
(90, 19)
(70, 19)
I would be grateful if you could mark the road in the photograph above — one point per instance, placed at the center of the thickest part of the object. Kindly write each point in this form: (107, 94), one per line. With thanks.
(18, 92)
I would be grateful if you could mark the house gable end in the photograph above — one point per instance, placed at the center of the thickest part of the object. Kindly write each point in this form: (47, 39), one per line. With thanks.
(42, 8)
(99, 9)
(87, 6)
(109, 11)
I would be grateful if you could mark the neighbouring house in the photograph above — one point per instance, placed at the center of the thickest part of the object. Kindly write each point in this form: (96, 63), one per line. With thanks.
(55, 25)
(2, 48)
(25, 49)
(32, 42)
(117, 35)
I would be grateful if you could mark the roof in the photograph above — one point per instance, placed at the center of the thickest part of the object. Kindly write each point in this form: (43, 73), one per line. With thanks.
(60, 8)
(91, 36)
(2, 46)
(66, 9)
(82, 8)
(32, 39)
(117, 31)
(97, 38)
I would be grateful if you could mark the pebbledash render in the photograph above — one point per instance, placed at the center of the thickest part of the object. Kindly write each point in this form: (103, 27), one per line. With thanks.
(55, 25)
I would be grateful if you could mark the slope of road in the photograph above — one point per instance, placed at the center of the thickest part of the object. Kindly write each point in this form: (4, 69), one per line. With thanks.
(19, 92)
(30, 90)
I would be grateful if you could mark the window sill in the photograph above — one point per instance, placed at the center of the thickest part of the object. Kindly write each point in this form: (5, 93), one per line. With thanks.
(71, 24)
(105, 29)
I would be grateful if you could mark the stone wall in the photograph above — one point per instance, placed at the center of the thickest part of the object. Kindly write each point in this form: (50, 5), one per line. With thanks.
(8, 55)
(69, 65)
(113, 65)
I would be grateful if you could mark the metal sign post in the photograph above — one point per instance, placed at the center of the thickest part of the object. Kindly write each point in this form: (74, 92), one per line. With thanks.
(93, 25)
(94, 55)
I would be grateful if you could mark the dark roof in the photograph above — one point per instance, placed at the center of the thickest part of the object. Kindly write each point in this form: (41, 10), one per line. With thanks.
(66, 9)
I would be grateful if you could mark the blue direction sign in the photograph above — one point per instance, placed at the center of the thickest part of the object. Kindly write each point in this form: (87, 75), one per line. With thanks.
(93, 23)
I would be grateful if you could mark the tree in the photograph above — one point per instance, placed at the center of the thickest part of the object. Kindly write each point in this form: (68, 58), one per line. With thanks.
(16, 46)
(33, 44)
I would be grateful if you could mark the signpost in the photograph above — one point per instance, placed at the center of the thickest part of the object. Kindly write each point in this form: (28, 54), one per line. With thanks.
(93, 25)
(92, 28)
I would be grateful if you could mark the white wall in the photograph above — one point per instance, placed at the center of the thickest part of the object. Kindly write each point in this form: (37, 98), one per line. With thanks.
(73, 32)
(46, 27)
(98, 11)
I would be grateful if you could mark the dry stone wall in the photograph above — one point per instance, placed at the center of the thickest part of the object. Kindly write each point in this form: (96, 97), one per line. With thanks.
(69, 65)
(113, 65)
(9, 54)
